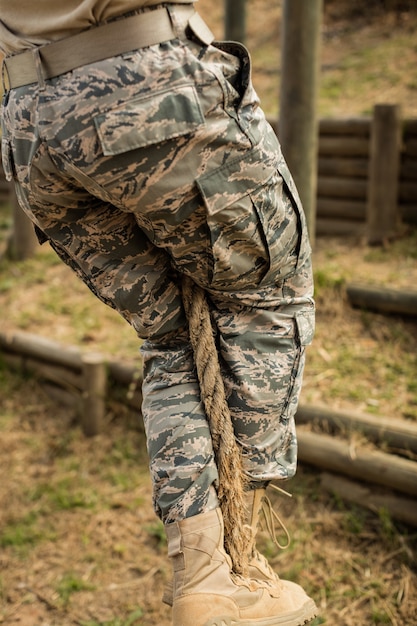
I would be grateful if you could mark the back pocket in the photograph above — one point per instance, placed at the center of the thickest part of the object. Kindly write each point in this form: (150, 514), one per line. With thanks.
(149, 120)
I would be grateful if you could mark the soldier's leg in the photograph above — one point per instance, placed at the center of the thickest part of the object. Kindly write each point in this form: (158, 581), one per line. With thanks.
(125, 270)
(262, 352)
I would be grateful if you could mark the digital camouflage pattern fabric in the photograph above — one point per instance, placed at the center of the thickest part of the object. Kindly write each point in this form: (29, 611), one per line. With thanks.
(160, 163)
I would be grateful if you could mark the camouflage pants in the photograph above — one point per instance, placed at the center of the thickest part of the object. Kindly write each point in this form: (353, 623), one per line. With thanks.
(156, 164)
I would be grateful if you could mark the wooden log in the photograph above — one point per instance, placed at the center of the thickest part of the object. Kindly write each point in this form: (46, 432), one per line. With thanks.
(338, 208)
(41, 348)
(343, 146)
(410, 147)
(343, 167)
(371, 466)
(408, 170)
(62, 396)
(58, 375)
(342, 187)
(410, 127)
(382, 299)
(298, 124)
(335, 228)
(409, 213)
(397, 433)
(65, 386)
(408, 191)
(358, 126)
(355, 126)
(383, 218)
(94, 394)
(69, 357)
(398, 507)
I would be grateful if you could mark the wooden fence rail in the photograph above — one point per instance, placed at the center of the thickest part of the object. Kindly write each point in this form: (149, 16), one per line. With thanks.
(344, 185)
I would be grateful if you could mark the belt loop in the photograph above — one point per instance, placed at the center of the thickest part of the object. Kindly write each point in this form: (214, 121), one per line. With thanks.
(38, 65)
(179, 19)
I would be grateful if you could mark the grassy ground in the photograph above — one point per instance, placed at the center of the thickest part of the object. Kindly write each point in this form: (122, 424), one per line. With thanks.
(79, 543)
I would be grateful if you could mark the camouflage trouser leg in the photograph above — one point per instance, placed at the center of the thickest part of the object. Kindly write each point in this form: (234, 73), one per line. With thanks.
(159, 163)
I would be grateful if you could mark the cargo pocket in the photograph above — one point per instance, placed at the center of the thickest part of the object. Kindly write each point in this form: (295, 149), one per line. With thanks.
(233, 195)
(149, 120)
(254, 221)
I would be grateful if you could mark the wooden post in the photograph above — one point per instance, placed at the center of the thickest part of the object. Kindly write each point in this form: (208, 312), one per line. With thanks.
(93, 409)
(383, 217)
(298, 127)
(24, 242)
(235, 20)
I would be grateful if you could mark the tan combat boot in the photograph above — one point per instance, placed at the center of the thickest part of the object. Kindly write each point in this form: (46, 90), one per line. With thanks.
(207, 593)
(256, 502)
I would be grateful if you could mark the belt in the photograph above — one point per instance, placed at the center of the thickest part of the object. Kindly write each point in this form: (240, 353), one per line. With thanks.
(101, 42)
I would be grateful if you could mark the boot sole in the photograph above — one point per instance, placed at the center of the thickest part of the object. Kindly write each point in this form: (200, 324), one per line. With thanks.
(297, 618)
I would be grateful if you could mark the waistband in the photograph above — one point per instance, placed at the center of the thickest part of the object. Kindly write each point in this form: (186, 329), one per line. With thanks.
(102, 42)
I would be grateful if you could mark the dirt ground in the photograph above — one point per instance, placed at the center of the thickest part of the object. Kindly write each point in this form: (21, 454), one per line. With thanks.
(80, 544)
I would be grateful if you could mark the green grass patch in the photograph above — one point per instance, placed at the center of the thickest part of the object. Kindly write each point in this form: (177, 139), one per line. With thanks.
(157, 531)
(69, 584)
(64, 495)
(132, 619)
(24, 532)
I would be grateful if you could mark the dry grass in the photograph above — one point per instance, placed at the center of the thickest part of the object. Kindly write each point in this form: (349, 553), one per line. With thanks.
(79, 542)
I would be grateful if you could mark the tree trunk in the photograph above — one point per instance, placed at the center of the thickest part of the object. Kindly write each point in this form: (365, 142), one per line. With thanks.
(298, 126)
(24, 241)
(235, 20)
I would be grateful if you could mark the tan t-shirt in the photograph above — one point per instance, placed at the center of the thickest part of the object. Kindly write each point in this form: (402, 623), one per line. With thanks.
(29, 23)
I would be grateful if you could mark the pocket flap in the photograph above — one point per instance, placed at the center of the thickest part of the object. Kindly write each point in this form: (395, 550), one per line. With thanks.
(306, 322)
(289, 181)
(149, 120)
(239, 177)
(6, 154)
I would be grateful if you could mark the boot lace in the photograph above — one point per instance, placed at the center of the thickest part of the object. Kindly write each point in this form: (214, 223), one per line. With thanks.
(273, 522)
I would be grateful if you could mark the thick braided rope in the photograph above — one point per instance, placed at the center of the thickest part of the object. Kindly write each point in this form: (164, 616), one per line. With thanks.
(237, 536)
